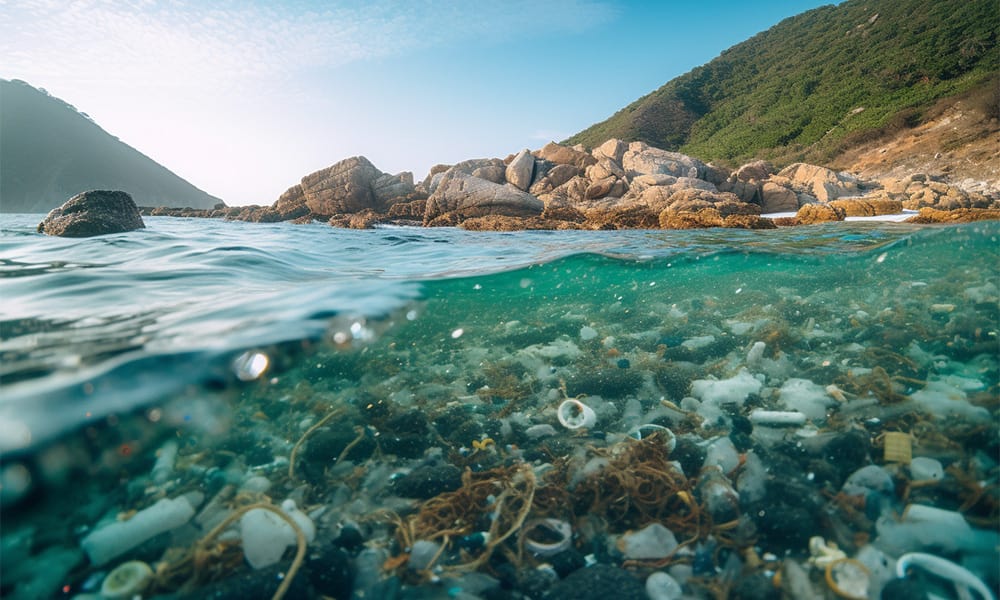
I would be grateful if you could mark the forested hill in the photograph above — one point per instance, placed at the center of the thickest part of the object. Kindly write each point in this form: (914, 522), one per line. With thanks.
(817, 83)
(50, 152)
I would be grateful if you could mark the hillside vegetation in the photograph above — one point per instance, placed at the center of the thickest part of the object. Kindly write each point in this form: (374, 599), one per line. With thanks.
(50, 152)
(819, 83)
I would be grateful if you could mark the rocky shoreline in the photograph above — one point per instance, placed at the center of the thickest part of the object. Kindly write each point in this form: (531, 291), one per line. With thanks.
(617, 185)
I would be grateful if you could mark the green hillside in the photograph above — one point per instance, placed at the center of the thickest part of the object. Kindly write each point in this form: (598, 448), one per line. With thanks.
(50, 152)
(818, 82)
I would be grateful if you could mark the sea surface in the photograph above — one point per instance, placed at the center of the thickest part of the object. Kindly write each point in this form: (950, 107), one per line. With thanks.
(206, 330)
(139, 315)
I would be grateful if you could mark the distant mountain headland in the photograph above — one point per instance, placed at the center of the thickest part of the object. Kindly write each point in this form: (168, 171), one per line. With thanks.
(819, 85)
(50, 151)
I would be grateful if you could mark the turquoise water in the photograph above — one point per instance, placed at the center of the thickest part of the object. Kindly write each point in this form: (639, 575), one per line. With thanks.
(167, 305)
(241, 336)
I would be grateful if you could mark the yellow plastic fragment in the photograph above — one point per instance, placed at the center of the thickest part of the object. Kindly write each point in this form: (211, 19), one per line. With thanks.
(898, 447)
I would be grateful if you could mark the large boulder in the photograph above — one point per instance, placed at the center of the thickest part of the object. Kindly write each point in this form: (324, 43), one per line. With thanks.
(776, 198)
(466, 196)
(643, 159)
(561, 155)
(608, 186)
(291, 205)
(613, 149)
(96, 212)
(810, 214)
(388, 189)
(345, 187)
(520, 170)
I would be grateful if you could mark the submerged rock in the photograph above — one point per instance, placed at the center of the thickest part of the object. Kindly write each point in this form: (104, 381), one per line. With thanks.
(598, 583)
(97, 212)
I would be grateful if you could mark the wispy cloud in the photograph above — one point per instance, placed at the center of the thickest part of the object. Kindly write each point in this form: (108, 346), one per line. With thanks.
(193, 42)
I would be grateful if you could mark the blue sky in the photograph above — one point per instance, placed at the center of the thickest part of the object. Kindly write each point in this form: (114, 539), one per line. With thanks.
(244, 98)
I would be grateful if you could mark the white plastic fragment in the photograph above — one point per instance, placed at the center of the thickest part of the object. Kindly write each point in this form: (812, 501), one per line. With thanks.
(127, 580)
(422, 554)
(539, 431)
(923, 468)
(661, 586)
(806, 397)
(722, 453)
(265, 535)
(649, 429)
(698, 342)
(777, 417)
(922, 513)
(561, 530)
(164, 465)
(574, 414)
(923, 526)
(756, 353)
(957, 574)
(722, 391)
(652, 542)
(119, 537)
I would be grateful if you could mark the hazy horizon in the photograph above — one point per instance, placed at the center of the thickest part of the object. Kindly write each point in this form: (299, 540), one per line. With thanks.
(243, 99)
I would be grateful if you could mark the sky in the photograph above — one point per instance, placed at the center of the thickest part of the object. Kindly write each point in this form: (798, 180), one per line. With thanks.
(243, 98)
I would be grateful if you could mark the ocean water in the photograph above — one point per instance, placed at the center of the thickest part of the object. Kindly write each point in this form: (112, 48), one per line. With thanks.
(233, 340)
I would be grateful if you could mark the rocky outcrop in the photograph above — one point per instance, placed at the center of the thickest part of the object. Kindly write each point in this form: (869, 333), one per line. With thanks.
(97, 212)
(615, 186)
(467, 196)
(923, 191)
(824, 184)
